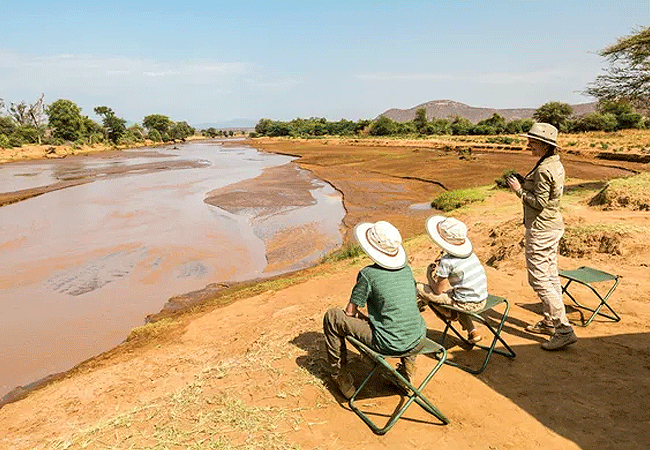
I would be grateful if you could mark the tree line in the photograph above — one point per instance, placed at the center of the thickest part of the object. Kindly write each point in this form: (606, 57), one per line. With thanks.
(610, 115)
(63, 122)
(623, 94)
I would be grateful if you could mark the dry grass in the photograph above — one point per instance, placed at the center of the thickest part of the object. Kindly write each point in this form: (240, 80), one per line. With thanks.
(630, 192)
(204, 415)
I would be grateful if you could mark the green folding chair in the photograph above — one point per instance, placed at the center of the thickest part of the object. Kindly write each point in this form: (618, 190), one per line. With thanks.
(413, 393)
(490, 303)
(586, 275)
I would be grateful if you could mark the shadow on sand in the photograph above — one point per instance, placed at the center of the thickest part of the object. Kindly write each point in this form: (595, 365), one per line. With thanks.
(380, 386)
(595, 393)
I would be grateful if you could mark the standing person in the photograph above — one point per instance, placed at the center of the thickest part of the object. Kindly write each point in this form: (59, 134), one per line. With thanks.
(457, 278)
(393, 325)
(540, 195)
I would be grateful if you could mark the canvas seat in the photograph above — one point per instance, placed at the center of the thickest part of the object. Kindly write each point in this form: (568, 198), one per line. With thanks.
(490, 303)
(413, 393)
(586, 276)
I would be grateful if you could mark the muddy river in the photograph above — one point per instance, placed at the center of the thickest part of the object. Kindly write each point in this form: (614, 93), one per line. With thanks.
(83, 265)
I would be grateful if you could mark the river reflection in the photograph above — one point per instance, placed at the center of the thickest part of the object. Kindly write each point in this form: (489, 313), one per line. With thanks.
(82, 266)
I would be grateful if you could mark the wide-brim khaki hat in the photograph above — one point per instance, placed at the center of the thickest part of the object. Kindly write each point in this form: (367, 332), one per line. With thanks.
(544, 132)
(450, 235)
(382, 242)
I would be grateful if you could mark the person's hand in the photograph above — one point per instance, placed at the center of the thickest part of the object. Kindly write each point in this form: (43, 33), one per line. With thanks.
(513, 183)
(431, 268)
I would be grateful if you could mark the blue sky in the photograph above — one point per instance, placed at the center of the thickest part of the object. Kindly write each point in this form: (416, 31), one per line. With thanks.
(214, 61)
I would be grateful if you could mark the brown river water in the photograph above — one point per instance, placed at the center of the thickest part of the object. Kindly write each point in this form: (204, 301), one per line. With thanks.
(81, 266)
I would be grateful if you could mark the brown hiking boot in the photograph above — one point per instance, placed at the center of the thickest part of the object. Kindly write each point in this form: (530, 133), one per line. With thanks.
(344, 382)
(541, 327)
(560, 340)
(474, 336)
(407, 368)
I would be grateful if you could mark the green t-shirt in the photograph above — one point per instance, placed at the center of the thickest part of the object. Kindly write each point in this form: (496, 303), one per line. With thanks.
(392, 307)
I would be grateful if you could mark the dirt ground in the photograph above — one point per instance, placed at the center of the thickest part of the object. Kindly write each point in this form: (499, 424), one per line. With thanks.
(246, 370)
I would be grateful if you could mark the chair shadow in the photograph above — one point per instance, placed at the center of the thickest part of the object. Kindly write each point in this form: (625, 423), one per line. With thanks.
(511, 326)
(378, 387)
(315, 362)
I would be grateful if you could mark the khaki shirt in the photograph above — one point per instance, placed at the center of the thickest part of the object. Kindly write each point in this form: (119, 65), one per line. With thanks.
(541, 193)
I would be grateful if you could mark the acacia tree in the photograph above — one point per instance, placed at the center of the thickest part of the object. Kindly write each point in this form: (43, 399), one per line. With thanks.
(555, 113)
(158, 122)
(113, 125)
(181, 131)
(66, 120)
(383, 126)
(628, 75)
(420, 120)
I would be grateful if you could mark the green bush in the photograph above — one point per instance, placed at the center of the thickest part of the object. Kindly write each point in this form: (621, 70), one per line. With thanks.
(501, 140)
(54, 141)
(382, 127)
(15, 140)
(450, 200)
(7, 125)
(154, 135)
(4, 141)
(95, 138)
(595, 122)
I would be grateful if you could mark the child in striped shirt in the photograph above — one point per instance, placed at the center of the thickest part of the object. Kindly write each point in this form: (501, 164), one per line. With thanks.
(457, 277)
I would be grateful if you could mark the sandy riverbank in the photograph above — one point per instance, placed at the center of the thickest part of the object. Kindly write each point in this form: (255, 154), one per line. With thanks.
(250, 374)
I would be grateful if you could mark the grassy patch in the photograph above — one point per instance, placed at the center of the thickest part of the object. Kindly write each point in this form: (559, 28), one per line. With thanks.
(348, 251)
(151, 330)
(583, 241)
(629, 192)
(450, 200)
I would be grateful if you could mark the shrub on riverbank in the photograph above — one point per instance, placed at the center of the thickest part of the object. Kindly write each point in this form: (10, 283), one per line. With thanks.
(348, 251)
(450, 200)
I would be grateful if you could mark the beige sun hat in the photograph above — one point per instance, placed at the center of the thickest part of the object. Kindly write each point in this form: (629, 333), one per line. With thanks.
(382, 242)
(544, 132)
(450, 235)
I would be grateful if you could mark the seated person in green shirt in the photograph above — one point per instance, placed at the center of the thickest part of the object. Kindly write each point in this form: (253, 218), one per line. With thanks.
(393, 325)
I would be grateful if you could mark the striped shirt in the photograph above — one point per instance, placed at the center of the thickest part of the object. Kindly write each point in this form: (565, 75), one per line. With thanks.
(466, 277)
(390, 295)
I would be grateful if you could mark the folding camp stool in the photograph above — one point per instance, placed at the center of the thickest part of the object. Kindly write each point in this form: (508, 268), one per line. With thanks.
(587, 275)
(414, 394)
(490, 303)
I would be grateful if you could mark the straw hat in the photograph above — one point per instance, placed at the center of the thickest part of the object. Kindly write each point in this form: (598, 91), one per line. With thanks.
(449, 234)
(382, 242)
(544, 132)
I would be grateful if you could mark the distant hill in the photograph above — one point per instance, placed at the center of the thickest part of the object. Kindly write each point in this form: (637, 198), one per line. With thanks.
(443, 109)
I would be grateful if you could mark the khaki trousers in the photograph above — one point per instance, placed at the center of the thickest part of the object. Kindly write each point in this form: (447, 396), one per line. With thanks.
(541, 263)
(337, 325)
(425, 293)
